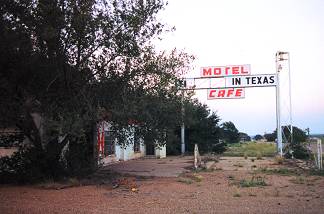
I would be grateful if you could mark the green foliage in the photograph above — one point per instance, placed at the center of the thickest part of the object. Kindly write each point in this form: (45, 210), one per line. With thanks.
(258, 137)
(202, 128)
(230, 133)
(67, 64)
(244, 137)
(185, 180)
(11, 139)
(294, 147)
(297, 147)
(26, 165)
(255, 181)
(297, 150)
(299, 135)
(279, 171)
(317, 172)
(30, 164)
(270, 137)
(259, 156)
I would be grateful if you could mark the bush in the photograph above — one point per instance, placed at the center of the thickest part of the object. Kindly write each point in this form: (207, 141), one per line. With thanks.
(297, 150)
(23, 166)
(259, 156)
(29, 165)
(12, 139)
(278, 159)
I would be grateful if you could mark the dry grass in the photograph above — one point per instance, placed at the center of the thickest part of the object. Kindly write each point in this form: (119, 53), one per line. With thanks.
(251, 149)
(279, 160)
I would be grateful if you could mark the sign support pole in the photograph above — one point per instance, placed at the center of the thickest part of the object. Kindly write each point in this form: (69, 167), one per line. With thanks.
(279, 131)
(290, 105)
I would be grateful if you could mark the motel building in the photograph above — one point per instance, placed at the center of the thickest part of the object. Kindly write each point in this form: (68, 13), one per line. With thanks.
(110, 151)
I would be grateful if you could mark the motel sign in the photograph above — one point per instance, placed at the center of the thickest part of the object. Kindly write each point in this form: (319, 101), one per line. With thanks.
(252, 81)
(225, 93)
(221, 71)
(229, 82)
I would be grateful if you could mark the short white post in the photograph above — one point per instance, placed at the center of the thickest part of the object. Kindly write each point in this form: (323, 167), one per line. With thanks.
(319, 154)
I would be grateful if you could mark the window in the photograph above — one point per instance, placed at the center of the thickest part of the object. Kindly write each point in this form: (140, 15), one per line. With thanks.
(109, 143)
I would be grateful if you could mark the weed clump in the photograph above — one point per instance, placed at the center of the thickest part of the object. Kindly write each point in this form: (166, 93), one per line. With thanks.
(246, 156)
(279, 171)
(255, 181)
(185, 180)
(259, 156)
(279, 160)
(237, 193)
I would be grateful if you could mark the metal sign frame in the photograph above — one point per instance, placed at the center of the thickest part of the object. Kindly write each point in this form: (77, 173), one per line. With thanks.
(279, 57)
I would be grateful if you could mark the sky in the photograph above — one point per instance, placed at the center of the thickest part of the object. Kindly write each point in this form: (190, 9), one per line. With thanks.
(235, 32)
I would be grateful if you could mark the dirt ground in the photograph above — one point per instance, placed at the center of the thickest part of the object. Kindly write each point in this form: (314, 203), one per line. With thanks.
(211, 191)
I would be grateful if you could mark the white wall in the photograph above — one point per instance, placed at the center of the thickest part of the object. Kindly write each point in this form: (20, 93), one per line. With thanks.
(160, 151)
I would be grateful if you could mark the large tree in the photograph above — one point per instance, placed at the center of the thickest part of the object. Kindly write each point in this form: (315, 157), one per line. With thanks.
(230, 132)
(65, 64)
(202, 128)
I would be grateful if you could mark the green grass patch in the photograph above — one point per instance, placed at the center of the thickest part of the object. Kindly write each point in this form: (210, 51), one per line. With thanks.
(255, 181)
(251, 149)
(190, 178)
(316, 172)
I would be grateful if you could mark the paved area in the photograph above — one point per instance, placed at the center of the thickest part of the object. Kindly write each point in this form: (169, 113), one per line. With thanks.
(167, 167)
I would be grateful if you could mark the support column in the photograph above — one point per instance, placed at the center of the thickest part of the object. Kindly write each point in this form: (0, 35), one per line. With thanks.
(278, 113)
(183, 146)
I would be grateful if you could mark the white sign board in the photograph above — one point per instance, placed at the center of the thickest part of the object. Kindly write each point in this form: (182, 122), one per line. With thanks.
(222, 71)
(261, 80)
(225, 93)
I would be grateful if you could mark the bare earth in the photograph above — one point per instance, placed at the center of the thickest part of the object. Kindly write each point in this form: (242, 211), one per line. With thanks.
(214, 192)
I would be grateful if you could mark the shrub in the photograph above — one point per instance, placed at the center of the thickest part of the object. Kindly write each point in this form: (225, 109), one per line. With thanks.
(30, 164)
(279, 160)
(26, 165)
(297, 150)
(245, 155)
(259, 156)
(185, 180)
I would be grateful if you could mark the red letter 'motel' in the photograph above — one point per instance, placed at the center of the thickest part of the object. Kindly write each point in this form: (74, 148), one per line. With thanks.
(207, 71)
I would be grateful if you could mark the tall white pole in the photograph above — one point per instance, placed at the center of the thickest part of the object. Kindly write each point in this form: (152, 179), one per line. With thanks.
(279, 133)
(290, 105)
(183, 147)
